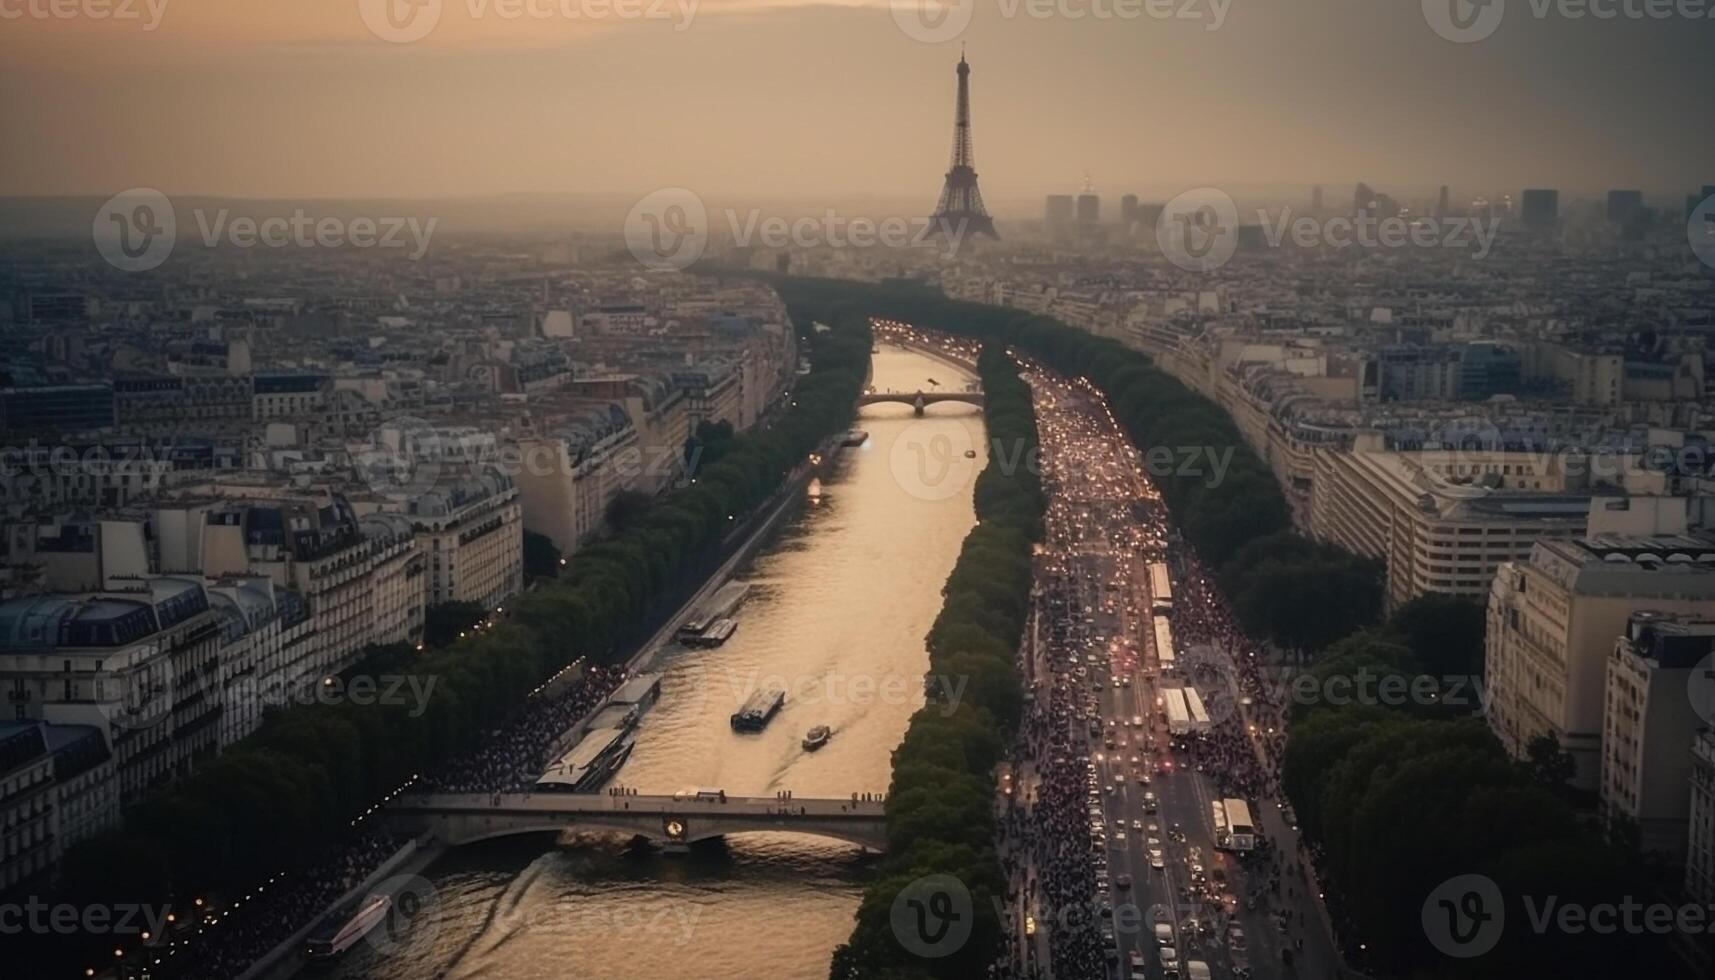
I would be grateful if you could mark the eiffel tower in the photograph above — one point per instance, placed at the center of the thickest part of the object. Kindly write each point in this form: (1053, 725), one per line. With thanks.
(961, 206)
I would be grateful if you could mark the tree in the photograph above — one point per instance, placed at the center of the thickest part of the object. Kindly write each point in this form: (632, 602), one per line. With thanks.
(541, 558)
(1444, 632)
(1548, 763)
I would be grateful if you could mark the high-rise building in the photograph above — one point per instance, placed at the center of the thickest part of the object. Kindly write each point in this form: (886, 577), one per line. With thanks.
(1648, 725)
(1058, 213)
(1128, 210)
(1089, 208)
(1552, 624)
(1441, 202)
(1539, 209)
(1622, 204)
(1316, 199)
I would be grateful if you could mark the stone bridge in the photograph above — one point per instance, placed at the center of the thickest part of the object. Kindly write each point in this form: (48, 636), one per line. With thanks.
(674, 821)
(919, 400)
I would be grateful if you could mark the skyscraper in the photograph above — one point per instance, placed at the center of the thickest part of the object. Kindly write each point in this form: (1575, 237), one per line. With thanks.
(1057, 215)
(1089, 208)
(1539, 208)
(1621, 204)
(1316, 199)
(1441, 202)
(1128, 210)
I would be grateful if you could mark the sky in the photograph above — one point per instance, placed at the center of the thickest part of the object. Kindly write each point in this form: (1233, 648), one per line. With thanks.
(782, 99)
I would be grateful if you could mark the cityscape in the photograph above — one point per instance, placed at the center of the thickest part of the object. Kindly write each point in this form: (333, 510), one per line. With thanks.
(864, 490)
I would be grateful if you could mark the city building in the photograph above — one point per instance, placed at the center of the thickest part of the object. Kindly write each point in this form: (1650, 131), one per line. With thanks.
(1553, 622)
(470, 537)
(1700, 827)
(1443, 520)
(1539, 209)
(1648, 724)
(1057, 216)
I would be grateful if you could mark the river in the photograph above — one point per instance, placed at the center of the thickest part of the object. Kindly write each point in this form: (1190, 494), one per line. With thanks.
(840, 604)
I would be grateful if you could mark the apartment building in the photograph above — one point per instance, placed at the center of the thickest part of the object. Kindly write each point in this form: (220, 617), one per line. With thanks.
(570, 475)
(1649, 723)
(1443, 521)
(1700, 827)
(56, 788)
(139, 665)
(1553, 621)
(398, 579)
(470, 533)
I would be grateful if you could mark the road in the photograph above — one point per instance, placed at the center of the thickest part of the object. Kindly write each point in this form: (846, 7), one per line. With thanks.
(1097, 679)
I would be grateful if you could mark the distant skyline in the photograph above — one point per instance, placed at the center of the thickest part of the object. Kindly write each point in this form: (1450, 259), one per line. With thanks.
(777, 100)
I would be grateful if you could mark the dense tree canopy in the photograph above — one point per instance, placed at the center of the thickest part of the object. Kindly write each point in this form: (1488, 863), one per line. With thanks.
(940, 807)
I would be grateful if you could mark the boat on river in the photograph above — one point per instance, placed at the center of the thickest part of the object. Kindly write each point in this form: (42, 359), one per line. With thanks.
(817, 737)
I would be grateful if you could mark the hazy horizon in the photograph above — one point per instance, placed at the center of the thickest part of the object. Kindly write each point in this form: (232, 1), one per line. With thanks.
(761, 100)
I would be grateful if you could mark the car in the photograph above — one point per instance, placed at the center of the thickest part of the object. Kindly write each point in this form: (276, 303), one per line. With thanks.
(1137, 721)
(1235, 938)
(1123, 881)
(1157, 860)
(1119, 838)
(1149, 806)
(1137, 825)
(1152, 841)
(1164, 935)
(1029, 924)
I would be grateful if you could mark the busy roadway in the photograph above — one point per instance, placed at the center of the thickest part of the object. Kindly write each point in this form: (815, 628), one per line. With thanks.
(1109, 807)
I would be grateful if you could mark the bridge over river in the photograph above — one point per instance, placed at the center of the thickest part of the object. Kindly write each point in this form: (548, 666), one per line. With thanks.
(918, 400)
(670, 820)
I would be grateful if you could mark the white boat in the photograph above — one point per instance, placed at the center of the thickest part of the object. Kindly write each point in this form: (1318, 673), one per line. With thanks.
(337, 935)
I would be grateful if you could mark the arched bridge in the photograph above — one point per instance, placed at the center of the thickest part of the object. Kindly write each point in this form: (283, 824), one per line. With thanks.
(466, 819)
(919, 400)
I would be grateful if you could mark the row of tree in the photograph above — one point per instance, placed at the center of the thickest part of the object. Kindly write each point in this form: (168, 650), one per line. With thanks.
(1223, 497)
(294, 787)
(940, 808)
